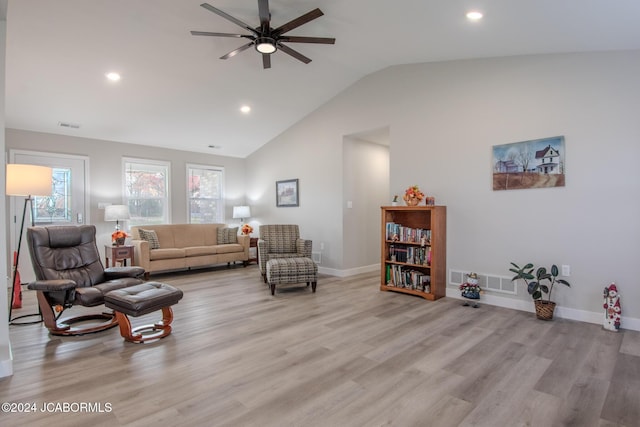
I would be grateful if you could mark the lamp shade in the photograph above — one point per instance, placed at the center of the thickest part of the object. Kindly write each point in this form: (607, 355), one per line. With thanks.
(28, 180)
(116, 212)
(241, 212)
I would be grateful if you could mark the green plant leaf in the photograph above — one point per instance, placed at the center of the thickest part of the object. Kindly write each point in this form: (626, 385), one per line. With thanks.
(544, 276)
(564, 282)
(532, 287)
(536, 295)
(544, 289)
(554, 270)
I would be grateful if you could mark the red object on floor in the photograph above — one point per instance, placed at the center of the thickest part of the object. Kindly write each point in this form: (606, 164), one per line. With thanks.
(17, 289)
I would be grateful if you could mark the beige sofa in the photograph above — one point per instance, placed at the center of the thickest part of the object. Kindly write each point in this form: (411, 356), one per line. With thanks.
(183, 246)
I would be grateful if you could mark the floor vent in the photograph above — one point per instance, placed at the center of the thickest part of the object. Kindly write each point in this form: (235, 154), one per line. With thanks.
(490, 282)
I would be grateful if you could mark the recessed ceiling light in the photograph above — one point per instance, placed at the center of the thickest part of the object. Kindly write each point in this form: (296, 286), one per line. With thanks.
(474, 15)
(114, 77)
(245, 109)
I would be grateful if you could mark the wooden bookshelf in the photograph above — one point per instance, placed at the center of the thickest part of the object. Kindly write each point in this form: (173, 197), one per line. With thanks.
(414, 250)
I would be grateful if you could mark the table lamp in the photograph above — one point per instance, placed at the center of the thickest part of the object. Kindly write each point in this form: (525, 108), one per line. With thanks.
(241, 212)
(116, 213)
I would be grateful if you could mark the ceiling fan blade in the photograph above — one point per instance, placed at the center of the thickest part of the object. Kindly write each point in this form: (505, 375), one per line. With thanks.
(229, 17)
(207, 33)
(266, 60)
(265, 15)
(237, 51)
(294, 53)
(295, 39)
(309, 16)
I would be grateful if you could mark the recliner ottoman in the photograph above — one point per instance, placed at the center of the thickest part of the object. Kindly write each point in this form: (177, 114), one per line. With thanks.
(139, 300)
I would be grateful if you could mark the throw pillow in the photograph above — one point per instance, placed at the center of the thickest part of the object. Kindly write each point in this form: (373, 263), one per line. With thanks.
(227, 235)
(151, 237)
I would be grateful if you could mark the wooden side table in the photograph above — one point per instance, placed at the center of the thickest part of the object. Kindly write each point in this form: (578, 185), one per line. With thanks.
(253, 243)
(118, 253)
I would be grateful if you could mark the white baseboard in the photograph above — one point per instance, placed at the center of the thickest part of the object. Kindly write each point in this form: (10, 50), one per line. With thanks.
(629, 323)
(349, 272)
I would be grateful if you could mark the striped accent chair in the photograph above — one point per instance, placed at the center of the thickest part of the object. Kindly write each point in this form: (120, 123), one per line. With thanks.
(281, 241)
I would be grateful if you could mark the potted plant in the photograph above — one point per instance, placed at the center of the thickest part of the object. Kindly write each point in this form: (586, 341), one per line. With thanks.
(541, 283)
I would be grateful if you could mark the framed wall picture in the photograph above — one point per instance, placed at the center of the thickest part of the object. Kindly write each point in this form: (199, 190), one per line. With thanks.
(538, 163)
(287, 193)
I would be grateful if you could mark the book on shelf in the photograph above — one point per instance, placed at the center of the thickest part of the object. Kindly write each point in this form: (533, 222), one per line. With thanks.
(418, 255)
(397, 232)
(403, 277)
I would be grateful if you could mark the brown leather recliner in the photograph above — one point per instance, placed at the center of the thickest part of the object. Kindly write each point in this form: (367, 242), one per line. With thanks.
(69, 272)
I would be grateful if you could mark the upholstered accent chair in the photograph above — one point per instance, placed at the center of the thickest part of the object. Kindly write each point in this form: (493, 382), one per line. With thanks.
(281, 241)
(69, 272)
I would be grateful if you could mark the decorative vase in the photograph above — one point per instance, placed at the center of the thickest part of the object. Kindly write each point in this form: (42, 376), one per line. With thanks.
(544, 309)
(120, 241)
(412, 201)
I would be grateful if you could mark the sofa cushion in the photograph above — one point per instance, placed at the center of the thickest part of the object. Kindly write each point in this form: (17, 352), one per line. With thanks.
(228, 249)
(227, 235)
(151, 237)
(167, 253)
(200, 250)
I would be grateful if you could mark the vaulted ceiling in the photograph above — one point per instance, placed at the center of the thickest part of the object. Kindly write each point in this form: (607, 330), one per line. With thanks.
(175, 92)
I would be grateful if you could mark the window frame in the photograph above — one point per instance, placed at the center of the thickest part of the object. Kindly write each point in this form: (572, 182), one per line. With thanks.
(221, 201)
(155, 163)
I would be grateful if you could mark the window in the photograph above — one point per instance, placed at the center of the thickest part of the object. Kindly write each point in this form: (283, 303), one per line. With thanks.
(57, 207)
(146, 191)
(204, 191)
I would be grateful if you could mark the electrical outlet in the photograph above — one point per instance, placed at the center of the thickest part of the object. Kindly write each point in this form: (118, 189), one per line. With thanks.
(322, 246)
(566, 270)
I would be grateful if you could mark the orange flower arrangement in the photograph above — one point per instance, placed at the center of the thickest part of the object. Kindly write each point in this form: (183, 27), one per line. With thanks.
(413, 195)
(118, 234)
(246, 229)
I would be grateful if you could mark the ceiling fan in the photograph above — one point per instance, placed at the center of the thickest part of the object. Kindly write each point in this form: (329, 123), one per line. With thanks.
(265, 38)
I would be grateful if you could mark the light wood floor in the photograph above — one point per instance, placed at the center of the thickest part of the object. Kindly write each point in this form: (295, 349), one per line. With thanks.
(348, 355)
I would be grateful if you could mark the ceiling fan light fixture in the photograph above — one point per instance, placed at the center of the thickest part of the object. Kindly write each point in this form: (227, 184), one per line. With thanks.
(265, 45)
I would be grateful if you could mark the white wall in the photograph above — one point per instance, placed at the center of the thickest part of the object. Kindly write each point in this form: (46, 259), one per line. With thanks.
(445, 117)
(312, 150)
(365, 189)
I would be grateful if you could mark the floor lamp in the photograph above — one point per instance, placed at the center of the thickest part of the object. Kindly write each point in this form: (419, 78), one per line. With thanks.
(26, 181)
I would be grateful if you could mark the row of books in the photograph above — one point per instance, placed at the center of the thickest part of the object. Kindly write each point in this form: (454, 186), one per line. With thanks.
(403, 277)
(397, 232)
(420, 255)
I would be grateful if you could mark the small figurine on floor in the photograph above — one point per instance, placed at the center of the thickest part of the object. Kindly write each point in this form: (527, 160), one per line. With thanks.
(471, 289)
(612, 310)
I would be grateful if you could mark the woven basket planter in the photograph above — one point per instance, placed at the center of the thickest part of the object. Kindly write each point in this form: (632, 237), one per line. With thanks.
(411, 201)
(544, 309)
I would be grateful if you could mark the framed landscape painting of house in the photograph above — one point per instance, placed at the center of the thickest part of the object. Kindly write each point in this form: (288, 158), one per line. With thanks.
(287, 193)
(539, 163)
